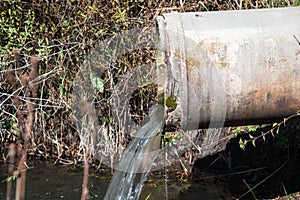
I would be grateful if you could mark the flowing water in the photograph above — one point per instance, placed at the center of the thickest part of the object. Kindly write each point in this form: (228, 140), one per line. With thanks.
(136, 162)
(46, 181)
(126, 183)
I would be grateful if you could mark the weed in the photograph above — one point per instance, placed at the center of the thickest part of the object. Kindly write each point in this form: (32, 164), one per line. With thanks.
(16, 28)
(12, 178)
(280, 135)
(170, 138)
(148, 196)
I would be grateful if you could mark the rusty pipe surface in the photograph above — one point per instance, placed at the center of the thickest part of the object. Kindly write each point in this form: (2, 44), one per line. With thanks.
(229, 68)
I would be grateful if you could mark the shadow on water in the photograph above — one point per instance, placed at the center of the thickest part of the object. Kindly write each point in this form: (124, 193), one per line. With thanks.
(47, 181)
(208, 189)
(213, 177)
(51, 182)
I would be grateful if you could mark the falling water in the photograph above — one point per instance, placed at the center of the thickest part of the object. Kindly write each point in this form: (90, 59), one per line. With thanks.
(136, 162)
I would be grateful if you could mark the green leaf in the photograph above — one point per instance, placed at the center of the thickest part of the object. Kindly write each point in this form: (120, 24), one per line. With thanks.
(274, 124)
(277, 131)
(242, 144)
(272, 132)
(62, 90)
(8, 179)
(252, 128)
(183, 180)
(97, 82)
(148, 197)
(238, 130)
(253, 142)
(11, 178)
(251, 137)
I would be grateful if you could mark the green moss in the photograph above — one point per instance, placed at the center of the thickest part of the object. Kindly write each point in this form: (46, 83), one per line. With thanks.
(171, 103)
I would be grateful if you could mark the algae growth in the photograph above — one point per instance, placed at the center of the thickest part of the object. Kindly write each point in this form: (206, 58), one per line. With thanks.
(169, 102)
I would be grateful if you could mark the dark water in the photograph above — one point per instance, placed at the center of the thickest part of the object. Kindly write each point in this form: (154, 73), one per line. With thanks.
(46, 181)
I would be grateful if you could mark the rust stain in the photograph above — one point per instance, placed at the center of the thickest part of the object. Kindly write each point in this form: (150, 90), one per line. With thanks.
(223, 62)
(273, 62)
(216, 51)
(192, 62)
(212, 50)
(201, 43)
(276, 100)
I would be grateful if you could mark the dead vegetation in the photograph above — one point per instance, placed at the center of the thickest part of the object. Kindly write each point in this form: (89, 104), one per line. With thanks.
(61, 35)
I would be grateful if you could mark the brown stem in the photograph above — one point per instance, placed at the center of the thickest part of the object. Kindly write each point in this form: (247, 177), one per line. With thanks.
(11, 154)
(33, 75)
(25, 125)
(85, 190)
(20, 186)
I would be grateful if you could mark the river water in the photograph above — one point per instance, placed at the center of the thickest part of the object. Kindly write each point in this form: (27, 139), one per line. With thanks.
(46, 181)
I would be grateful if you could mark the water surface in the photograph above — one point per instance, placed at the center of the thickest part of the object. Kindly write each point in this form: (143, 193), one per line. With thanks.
(51, 182)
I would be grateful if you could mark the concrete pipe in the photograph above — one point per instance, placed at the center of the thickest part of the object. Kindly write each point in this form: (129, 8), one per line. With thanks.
(229, 68)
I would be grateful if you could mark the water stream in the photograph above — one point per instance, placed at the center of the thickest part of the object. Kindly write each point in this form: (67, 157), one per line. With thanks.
(129, 180)
(137, 160)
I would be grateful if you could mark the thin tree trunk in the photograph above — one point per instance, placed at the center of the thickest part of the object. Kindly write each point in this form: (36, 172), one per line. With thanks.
(12, 154)
(85, 190)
